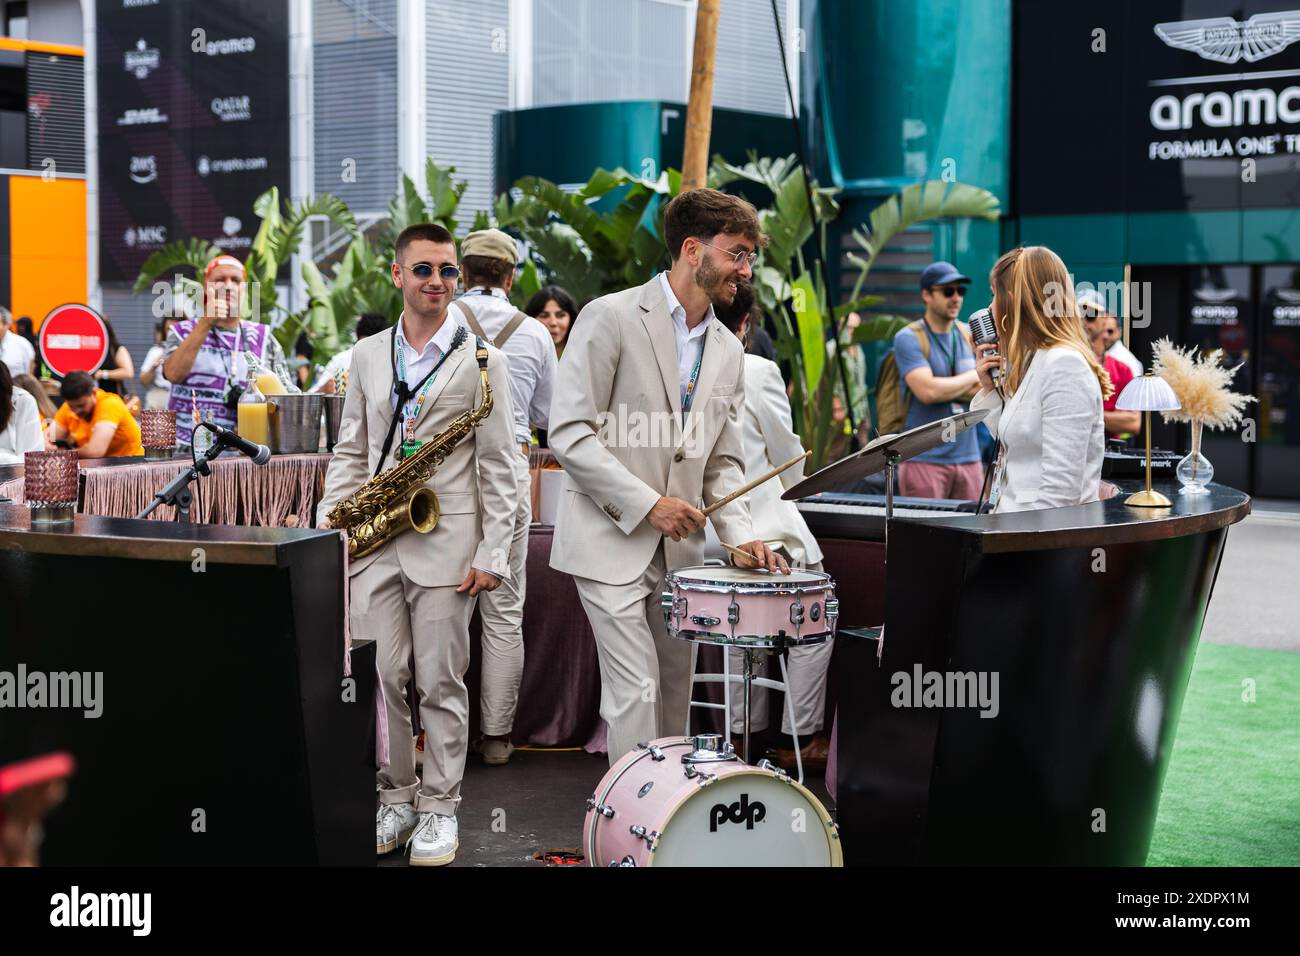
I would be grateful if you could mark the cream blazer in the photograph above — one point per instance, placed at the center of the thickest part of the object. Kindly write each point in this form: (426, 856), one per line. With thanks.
(617, 429)
(476, 485)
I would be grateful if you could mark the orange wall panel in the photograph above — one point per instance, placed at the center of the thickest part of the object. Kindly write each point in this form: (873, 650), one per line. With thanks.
(47, 239)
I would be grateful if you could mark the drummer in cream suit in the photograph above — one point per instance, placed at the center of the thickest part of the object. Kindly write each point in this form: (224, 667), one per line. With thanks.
(770, 441)
(646, 422)
(415, 595)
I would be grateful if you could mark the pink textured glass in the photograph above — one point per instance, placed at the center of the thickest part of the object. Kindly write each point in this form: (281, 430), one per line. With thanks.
(158, 428)
(50, 477)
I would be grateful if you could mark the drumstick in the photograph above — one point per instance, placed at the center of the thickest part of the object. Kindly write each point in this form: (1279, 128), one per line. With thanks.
(737, 553)
(755, 483)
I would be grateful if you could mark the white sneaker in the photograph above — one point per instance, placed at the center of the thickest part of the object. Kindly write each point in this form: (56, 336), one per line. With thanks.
(434, 841)
(394, 823)
(496, 752)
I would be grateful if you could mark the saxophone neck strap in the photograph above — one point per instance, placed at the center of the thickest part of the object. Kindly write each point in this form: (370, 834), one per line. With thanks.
(405, 392)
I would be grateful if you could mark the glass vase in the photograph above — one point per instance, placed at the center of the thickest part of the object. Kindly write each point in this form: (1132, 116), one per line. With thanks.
(1195, 471)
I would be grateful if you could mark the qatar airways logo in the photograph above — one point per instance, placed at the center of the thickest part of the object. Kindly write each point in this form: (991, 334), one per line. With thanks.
(1225, 40)
(232, 109)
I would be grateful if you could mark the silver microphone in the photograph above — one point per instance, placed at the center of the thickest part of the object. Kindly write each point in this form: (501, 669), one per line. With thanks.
(985, 332)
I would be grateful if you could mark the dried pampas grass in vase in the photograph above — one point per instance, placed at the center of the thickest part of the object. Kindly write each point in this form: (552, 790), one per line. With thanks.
(1201, 383)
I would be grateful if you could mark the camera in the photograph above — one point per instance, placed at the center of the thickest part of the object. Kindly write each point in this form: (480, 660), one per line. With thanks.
(233, 395)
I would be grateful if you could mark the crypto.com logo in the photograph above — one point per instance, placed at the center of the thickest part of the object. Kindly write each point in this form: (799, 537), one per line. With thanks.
(1225, 40)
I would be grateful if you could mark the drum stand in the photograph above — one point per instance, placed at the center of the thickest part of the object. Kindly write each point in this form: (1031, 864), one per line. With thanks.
(746, 679)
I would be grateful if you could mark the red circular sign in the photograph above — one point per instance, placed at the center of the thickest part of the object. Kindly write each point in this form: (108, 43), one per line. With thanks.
(74, 338)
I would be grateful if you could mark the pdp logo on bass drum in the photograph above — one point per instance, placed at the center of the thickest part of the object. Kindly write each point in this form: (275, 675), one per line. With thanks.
(742, 811)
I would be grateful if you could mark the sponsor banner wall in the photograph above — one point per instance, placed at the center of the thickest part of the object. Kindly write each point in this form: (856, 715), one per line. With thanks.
(193, 123)
(1163, 105)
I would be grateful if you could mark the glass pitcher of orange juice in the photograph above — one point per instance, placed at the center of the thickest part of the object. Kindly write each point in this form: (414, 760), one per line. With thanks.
(251, 413)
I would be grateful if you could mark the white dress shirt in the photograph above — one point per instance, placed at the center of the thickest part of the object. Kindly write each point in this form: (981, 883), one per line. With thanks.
(690, 342)
(530, 350)
(419, 363)
(23, 432)
(17, 353)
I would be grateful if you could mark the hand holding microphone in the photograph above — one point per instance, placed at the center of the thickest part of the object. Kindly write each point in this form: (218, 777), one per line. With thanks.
(988, 362)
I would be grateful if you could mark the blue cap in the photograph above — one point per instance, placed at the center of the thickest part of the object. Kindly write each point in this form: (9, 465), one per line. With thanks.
(941, 273)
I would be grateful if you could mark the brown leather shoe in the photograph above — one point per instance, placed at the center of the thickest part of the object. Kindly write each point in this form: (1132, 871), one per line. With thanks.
(813, 753)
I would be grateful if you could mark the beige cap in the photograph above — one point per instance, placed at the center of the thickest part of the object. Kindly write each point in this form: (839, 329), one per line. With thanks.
(492, 243)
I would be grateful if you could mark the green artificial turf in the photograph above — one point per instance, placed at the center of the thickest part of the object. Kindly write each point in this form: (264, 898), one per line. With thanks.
(1232, 793)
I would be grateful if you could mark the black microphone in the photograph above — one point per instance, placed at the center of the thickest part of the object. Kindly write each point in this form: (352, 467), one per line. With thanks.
(985, 332)
(232, 439)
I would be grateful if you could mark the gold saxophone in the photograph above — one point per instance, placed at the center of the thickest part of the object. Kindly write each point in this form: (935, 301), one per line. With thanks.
(397, 499)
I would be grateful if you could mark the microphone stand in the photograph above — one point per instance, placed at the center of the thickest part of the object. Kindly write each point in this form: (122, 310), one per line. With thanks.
(177, 491)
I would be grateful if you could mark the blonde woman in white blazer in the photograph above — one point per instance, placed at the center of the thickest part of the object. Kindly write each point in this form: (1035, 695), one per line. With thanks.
(1046, 407)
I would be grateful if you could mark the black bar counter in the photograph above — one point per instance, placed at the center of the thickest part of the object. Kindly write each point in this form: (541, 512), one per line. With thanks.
(227, 734)
(1088, 617)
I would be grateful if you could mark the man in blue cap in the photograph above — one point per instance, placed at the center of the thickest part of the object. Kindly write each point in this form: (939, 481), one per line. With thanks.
(936, 369)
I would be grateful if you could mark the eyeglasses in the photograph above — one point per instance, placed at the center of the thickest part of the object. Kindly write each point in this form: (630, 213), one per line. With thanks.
(948, 291)
(749, 258)
(422, 270)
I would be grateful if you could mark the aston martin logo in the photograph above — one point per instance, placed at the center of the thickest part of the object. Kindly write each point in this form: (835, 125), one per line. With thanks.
(1225, 40)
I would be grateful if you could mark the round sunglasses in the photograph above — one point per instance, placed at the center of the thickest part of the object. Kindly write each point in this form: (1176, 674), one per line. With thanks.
(422, 270)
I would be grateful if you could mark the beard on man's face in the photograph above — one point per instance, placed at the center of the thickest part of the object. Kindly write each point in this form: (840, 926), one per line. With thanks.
(714, 283)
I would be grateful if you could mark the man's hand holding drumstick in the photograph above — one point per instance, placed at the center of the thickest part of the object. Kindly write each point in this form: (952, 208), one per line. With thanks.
(676, 519)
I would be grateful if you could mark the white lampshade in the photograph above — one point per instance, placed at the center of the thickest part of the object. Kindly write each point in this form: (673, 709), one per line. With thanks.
(1147, 393)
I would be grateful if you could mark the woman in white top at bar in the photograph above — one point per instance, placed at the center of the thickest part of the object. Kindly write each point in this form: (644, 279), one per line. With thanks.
(1045, 409)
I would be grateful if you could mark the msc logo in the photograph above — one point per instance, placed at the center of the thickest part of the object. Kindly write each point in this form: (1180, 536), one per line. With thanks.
(742, 811)
(1225, 40)
(145, 236)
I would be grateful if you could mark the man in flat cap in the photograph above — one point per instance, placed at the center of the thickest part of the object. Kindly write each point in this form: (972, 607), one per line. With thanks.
(489, 258)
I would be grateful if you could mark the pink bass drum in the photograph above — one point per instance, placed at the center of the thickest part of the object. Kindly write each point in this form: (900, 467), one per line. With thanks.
(689, 801)
(733, 606)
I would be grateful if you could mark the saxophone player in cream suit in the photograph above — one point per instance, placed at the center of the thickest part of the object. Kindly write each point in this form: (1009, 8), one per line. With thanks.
(415, 594)
(646, 423)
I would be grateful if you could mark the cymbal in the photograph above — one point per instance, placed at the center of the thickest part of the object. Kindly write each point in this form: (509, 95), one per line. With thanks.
(876, 455)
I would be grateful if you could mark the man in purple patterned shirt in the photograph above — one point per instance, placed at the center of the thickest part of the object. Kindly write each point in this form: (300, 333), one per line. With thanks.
(207, 360)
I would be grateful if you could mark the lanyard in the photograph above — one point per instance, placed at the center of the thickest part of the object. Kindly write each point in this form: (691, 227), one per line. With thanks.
(949, 354)
(404, 392)
(411, 408)
(688, 393)
(226, 355)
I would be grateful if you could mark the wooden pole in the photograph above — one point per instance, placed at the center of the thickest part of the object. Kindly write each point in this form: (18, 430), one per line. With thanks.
(699, 108)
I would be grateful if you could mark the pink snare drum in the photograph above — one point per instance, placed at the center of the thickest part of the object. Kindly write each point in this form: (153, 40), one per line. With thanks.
(712, 605)
(686, 801)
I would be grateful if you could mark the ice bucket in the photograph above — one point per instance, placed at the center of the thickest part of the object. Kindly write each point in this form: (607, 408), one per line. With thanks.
(294, 423)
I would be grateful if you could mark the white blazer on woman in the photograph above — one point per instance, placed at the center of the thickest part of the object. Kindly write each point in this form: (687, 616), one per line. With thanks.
(770, 441)
(23, 433)
(1052, 433)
